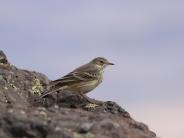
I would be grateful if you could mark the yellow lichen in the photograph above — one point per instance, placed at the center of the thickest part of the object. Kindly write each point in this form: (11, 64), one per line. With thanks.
(87, 135)
(12, 86)
(91, 106)
(79, 135)
(37, 87)
(68, 130)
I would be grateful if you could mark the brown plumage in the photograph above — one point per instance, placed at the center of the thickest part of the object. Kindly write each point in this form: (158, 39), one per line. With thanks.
(82, 80)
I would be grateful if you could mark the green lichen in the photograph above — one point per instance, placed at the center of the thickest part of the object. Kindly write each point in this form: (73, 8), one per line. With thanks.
(5, 88)
(79, 135)
(68, 131)
(91, 106)
(37, 87)
(12, 86)
(87, 135)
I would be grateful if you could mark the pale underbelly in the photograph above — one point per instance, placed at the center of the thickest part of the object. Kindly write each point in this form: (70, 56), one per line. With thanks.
(84, 87)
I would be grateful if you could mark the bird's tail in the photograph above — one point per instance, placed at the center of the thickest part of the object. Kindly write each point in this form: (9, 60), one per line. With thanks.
(46, 93)
(54, 86)
(50, 92)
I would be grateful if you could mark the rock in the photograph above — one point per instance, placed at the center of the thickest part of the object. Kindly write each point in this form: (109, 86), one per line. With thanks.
(4, 64)
(3, 58)
(60, 115)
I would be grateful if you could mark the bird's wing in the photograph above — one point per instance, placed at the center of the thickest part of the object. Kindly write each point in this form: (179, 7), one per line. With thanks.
(70, 79)
(73, 78)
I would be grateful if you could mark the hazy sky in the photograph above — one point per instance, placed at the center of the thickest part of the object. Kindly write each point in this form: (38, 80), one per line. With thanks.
(145, 39)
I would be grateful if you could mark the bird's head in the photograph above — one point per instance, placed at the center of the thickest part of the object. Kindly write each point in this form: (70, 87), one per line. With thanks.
(101, 62)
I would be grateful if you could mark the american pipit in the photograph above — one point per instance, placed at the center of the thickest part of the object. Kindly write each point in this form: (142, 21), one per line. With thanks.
(82, 80)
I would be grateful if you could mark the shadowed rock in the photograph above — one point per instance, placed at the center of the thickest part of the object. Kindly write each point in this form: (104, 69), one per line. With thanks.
(60, 115)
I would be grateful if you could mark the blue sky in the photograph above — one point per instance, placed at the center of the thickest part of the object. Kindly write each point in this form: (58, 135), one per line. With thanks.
(143, 38)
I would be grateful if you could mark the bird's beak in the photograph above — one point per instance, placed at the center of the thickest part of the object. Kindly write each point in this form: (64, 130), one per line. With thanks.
(109, 63)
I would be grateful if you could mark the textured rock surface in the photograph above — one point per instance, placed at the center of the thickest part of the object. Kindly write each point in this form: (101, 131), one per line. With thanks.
(61, 115)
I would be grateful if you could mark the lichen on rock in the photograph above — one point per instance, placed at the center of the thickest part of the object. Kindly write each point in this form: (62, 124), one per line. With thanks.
(37, 88)
(87, 135)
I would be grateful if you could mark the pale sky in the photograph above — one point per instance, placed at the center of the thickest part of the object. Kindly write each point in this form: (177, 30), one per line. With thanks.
(145, 39)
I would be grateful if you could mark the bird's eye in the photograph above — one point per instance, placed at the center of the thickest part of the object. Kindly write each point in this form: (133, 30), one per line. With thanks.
(101, 62)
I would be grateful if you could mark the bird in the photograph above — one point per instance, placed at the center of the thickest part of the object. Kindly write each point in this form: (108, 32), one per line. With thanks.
(81, 80)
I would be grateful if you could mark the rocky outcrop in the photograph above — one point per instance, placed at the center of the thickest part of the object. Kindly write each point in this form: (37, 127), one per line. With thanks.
(60, 115)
